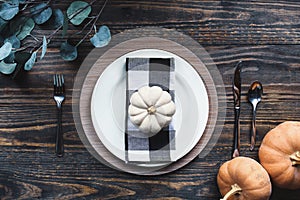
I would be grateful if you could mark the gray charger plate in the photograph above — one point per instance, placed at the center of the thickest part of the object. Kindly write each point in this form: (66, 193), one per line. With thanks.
(121, 44)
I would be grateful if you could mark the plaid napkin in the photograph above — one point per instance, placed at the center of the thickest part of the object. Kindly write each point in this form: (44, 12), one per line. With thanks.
(151, 72)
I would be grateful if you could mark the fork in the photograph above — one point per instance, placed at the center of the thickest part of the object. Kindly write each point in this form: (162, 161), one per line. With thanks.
(59, 97)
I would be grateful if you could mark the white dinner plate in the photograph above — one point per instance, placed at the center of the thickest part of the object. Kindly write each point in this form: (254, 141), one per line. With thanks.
(109, 97)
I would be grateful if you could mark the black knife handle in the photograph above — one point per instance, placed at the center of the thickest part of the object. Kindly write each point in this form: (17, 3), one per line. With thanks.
(236, 151)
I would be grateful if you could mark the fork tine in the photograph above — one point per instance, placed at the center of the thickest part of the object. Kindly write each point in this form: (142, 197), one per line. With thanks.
(55, 83)
(59, 80)
(54, 80)
(62, 83)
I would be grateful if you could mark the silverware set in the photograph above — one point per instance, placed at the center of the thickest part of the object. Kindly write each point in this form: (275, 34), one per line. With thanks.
(254, 97)
(59, 97)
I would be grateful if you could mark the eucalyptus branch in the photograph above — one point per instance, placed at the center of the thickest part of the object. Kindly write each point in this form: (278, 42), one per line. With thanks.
(30, 13)
(95, 21)
(39, 46)
(54, 32)
(30, 5)
(24, 48)
(29, 2)
(35, 38)
(85, 26)
(24, 8)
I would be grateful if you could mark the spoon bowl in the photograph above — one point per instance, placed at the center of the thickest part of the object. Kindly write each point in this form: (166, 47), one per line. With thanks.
(254, 97)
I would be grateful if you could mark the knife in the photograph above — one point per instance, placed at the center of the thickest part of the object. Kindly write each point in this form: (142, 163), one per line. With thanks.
(236, 87)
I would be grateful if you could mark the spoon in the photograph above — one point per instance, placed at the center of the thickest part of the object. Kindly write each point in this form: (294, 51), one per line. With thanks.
(254, 97)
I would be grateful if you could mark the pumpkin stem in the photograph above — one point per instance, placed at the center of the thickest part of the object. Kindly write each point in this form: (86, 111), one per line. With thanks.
(295, 158)
(235, 189)
(151, 110)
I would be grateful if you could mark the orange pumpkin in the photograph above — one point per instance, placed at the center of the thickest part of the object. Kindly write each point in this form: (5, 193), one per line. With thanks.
(279, 154)
(243, 178)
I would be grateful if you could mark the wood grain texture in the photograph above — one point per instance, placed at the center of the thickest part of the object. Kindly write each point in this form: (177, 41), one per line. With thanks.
(265, 33)
(212, 22)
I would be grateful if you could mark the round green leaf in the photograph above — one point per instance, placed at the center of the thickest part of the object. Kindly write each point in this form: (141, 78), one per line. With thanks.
(30, 62)
(44, 47)
(5, 50)
(68, 52)
(7, 68)
(78, 11)
(102, 37)
(38, 8)
(15, 42)
(8, 10)
(43, 16)
(58, 18)
(26, 29)
(41, 13)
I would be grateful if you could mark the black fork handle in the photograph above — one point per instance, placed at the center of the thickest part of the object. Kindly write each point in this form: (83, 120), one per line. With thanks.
(59, 145)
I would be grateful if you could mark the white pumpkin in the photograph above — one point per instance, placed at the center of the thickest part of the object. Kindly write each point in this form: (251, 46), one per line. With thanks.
(151, 109)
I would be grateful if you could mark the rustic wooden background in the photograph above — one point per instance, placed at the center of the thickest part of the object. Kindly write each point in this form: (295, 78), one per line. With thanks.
(265, 33)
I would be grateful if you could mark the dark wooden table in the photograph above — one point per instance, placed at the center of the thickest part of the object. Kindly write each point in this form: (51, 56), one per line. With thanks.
(264, 33)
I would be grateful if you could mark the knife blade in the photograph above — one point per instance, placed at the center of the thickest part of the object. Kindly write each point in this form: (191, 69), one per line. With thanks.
(236, 88)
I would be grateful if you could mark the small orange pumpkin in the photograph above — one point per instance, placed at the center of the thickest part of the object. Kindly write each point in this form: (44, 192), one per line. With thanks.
(243, 178)
(279, 154)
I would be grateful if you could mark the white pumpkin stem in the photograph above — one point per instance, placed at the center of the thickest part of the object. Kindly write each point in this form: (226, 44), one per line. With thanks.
(295, 158)
(151, 110)
(235, 189)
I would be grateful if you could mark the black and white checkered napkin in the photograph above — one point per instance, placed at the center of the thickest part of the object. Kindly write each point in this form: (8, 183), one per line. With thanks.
(149, 72)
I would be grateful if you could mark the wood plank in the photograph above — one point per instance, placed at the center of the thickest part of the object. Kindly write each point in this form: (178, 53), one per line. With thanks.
(209, 22)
